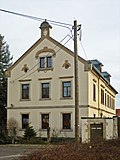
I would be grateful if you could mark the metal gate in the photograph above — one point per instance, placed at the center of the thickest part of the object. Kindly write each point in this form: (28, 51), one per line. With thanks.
(96, 132)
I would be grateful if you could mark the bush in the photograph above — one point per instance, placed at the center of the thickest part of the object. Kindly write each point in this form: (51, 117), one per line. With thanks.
(29, 132)
(34, 140)
(58, 140)
(72, 151)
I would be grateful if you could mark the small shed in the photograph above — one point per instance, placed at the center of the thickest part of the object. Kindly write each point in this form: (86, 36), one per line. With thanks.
(98, 128)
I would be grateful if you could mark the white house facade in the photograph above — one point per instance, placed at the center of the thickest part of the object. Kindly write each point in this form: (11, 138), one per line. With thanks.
(41, 88)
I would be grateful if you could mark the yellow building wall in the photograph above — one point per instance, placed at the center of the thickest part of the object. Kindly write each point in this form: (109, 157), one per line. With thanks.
(55, 105)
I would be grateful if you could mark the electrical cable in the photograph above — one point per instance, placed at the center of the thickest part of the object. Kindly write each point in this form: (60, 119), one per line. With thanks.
(45, 62)
(61, 24)
(84, 50)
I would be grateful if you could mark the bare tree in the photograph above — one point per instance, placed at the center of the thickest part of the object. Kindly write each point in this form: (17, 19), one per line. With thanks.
(12, 128)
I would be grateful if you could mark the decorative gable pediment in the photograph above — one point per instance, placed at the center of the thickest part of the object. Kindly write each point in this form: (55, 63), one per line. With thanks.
(45, 49)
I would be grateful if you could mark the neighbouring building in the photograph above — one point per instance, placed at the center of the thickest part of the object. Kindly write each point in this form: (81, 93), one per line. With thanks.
(118, 112)
(41, 88)
(118, 121)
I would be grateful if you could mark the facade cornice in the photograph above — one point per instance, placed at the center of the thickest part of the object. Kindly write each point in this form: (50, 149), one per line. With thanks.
(57, 107)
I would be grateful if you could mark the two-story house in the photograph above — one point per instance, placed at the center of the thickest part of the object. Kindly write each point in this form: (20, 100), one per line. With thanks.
(41, 88)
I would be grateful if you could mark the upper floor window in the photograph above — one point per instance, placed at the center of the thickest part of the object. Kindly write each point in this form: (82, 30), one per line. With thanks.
(46, 62)
(25, 120)
(45, 121)
(66, 87)
(45, 90)
(108, 104)
(113, 103)
(105, 99)
(66, 118)
(102, 96)
(25, 91)
(94, 92)
(49, 62)
(42, 62)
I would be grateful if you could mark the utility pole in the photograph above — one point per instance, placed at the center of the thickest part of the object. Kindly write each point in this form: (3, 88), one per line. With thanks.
(77, 127)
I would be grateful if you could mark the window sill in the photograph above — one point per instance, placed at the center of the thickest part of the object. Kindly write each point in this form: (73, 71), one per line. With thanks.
(25, 99)
(45, 99)
(66, 130)
(21, 129)
(45, 69)
(42, 129)
(66, 98)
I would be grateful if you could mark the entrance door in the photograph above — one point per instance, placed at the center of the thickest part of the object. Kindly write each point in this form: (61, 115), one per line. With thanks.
(96, 132)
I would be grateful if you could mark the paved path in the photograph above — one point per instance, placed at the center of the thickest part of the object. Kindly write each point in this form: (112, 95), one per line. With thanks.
(10, 157)
(11, 152)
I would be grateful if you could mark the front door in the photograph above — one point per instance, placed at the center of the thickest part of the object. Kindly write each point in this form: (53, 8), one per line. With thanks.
(96, 132)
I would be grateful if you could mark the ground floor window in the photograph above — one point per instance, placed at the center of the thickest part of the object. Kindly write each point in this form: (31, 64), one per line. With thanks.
(66, 119)
(45, 121)
(25, 120)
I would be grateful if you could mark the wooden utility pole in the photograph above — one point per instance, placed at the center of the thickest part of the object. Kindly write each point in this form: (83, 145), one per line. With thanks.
(77, 127)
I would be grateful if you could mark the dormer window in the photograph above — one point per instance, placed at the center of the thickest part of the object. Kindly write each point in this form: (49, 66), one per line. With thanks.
(46, 62)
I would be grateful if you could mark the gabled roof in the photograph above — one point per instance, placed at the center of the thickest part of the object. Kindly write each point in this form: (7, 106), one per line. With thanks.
(38, 42)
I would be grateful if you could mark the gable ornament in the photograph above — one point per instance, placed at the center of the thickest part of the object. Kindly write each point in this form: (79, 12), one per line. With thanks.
(25, 68)
(66, 64)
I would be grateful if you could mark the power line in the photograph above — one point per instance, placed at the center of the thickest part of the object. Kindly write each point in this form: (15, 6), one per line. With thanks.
(45, 62)
(61, 24)
(46, 56)
(57, 23)
(84, 50)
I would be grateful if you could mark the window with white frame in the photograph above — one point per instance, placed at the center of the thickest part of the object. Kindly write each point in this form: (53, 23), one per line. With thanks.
(94, 92)
(45, 121)
(49, 62)
(45, 90)
(25, 120)
(46, 62)
(42, 62)
(25, 91)
(66, 120)
(105, 99)
(66, 89)
(102, 96)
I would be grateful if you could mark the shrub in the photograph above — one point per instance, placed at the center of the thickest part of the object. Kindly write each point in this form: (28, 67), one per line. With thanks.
(72, 151)
(34, 140)
(29, 132)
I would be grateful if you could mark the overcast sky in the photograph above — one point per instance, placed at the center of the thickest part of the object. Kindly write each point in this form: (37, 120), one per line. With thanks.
(100, 21)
